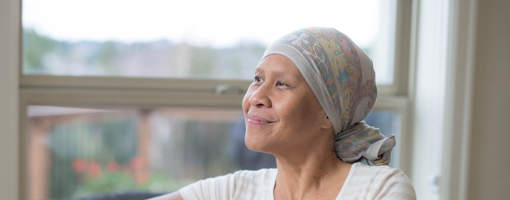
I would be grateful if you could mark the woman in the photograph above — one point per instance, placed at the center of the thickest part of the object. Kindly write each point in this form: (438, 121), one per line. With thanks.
(311, 91)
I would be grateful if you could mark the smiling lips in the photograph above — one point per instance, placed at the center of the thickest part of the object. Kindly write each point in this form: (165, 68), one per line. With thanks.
(258, 120)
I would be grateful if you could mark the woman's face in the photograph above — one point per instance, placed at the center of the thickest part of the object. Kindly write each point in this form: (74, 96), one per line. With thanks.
(280, 109)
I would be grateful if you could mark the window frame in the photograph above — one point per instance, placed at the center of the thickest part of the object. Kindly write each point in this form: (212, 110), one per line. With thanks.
(98, 92)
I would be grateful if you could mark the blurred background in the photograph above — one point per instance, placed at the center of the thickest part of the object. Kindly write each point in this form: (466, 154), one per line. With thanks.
(216, 40)
(128, 99)
(77, 152)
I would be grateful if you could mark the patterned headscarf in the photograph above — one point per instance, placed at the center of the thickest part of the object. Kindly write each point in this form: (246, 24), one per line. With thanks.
(342, 78)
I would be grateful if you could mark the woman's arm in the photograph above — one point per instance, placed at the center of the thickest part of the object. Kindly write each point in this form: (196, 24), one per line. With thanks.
(172, 196)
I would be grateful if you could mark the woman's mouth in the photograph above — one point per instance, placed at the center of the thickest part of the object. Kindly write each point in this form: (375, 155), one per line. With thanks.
(258, 120)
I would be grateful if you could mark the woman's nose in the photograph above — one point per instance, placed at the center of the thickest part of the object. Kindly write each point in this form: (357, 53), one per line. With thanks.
(260, 97)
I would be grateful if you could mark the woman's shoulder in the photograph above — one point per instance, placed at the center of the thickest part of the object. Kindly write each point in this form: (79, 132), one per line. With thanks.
(382, 181)
(255, 174)
(243, 183)
(255, 178)
(382, 170)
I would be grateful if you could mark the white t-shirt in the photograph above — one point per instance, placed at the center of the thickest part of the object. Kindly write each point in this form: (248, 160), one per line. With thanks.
(363, 182)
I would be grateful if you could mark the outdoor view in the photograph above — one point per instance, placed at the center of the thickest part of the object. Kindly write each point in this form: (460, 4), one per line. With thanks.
(159, 58)
(76, 153)
(220, 39)
(83, 153)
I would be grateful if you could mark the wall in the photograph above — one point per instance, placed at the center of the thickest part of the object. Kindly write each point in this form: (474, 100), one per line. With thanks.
(9, 32)
(490, 140)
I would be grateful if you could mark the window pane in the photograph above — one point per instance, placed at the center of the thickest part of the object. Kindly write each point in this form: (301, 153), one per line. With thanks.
(75, 152)
(188, 39)
(85, 152)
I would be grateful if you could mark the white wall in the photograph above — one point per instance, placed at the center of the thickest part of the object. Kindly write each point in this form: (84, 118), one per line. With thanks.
(489, 174)
(9, 35)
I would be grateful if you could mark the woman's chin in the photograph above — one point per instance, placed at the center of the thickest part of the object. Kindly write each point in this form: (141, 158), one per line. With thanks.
(254, 146)
(255, 143)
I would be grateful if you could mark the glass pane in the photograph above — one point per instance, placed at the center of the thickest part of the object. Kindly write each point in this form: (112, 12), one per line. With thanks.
(188, 39)
(78, 153)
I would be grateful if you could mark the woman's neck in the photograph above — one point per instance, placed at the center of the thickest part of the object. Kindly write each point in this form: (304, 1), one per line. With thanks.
(310, 175)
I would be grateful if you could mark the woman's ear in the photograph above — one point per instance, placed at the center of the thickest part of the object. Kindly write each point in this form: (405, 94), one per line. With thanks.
(326, 123)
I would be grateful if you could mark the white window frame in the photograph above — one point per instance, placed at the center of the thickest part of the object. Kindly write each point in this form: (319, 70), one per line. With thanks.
(155, 92)
(443, 45)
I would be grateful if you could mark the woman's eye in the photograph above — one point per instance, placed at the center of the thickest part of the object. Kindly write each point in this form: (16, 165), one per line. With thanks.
(257, 79)
(279, 83)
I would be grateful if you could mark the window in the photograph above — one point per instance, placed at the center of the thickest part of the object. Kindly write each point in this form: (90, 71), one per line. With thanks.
(142, 39)
(103, 88)
(76, 152)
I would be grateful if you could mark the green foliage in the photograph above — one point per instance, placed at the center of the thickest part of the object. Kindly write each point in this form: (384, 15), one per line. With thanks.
(202, 61)
(75, 140)
(119, 59)
(121, 182)
(113, 139)
(35, 47)
(63, 180)
(107, 140)
(208, 149)
(118, 140)
(105, 56)
(241, 56)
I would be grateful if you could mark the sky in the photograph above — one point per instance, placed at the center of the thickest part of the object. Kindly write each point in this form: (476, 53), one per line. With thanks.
(220, 23)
